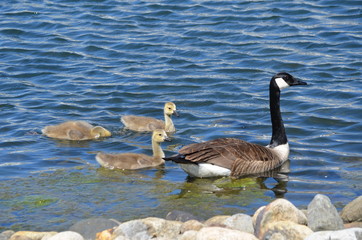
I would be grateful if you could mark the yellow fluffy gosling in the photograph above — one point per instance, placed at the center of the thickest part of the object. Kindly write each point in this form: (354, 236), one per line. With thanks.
(134, 160)
(148, 124)
(75, 130)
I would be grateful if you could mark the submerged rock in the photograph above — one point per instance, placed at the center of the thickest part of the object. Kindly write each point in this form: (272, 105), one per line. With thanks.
(322, 215)
(352, 212)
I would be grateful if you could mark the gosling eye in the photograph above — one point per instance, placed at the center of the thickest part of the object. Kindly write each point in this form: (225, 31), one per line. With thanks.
(160, 135)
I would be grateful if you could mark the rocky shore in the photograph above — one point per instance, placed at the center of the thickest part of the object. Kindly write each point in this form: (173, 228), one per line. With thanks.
(279, 220)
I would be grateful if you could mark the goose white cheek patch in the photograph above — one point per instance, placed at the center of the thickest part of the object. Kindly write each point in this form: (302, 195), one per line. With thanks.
(281, 83)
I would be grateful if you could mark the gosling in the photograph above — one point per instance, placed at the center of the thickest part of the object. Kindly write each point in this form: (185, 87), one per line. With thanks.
(132, 161)
(148, 124)
(75, 130)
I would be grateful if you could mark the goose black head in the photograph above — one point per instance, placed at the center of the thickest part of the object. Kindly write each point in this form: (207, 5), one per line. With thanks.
(284, 80)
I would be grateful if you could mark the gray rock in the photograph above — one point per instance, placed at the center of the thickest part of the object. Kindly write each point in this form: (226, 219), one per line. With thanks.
(218, 233)
(88, 228)
(6, 235)
(346, 234)
(352, 212)
(148, 228)
(67, 235)
(134, 229)
(322, 215)
(181, 216)
(241, 222)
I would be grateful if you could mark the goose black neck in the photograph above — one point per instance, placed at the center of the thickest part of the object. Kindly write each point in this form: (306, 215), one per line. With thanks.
(279, 136)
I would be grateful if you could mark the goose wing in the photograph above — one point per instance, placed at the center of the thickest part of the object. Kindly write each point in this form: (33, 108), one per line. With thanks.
(241, 157)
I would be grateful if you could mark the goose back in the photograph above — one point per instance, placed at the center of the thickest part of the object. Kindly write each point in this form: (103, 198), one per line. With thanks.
(129, 161)
(75, 130)
(142, 124)
(241, 157)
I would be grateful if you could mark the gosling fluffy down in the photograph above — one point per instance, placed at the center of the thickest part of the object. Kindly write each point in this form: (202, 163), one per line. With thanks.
(133, 161)
(148, 124)
(75, 130)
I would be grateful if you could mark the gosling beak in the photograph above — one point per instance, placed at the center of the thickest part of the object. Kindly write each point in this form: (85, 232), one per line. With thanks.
(175, 113)
(167, 139)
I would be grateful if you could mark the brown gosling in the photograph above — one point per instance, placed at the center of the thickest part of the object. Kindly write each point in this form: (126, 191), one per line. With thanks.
(133, 161)
(75, 130)
(148, 124)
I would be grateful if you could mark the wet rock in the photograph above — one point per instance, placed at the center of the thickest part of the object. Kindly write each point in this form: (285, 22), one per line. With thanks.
(346, 234)
(352, 212)
(6, 235)
(148, 228)
(218, 233)
(68, 235)
(286, 230)
(278, 210)
(322, 215)
(241, 222)
(88, 228)
(30, 235)
(191, 225)
(216, 221)
(181, 216)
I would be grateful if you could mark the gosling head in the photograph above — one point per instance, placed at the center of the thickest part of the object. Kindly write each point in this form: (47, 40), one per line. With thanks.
(98, 132)
(170, 109)
(284, 80)
(159, 135)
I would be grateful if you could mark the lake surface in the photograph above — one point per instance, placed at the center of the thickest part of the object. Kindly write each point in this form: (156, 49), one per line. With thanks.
(97, 60)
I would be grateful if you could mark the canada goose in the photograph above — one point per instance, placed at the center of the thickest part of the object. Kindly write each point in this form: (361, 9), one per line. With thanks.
(235, 157)
(148, 124)
(75, 130)
(134, 160)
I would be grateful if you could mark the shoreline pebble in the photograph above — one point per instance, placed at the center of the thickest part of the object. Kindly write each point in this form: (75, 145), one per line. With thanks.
(278, 220)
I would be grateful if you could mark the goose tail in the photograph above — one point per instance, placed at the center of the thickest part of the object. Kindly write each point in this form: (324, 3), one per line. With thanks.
(178, 158)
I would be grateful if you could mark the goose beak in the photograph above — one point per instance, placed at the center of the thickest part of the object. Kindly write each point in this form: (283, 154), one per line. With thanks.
(299, 82)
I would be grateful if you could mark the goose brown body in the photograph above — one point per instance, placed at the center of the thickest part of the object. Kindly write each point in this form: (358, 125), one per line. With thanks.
(149, 124)
(75, 130)
(241, 157)
(133, 161)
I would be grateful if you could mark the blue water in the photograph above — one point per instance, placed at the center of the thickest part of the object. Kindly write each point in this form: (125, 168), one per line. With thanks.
(97, 60)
